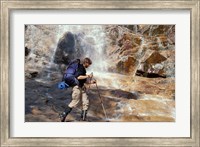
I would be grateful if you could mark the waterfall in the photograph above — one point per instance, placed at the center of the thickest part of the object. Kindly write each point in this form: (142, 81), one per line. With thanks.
(90, 39)
(140, 53)
(99, 59)
(60, 31)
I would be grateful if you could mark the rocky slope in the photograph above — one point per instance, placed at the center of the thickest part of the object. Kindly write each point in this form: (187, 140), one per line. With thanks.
(133, 64)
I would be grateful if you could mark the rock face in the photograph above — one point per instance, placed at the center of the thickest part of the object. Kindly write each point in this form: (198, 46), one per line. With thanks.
(40, 42)
(149, 46)
(127, 66)
(134, 66)
(125, 48)
(65, 49)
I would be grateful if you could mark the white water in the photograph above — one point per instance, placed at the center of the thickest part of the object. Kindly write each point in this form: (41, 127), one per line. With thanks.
(91, 37)
(111, 80)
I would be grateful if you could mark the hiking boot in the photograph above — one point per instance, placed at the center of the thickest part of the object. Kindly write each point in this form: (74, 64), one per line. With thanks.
(84, 115)
(64, 114)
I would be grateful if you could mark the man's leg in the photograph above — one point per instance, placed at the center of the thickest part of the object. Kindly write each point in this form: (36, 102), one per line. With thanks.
(64, 114)
(85, 103)
(76, 95)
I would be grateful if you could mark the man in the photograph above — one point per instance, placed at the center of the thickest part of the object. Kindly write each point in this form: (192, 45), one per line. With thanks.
(79, 91)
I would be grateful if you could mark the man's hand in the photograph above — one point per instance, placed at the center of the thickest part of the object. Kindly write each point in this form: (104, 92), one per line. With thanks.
(90, 75)
(93, 82)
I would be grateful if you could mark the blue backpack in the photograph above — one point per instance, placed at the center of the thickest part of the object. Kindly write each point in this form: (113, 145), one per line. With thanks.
(69, 78)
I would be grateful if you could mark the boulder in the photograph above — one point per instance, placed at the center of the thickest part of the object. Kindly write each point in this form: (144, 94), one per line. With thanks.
(152, 67)
(155, 57)
(124, 94)
(65, 49)
(31, 73)
(127, 65)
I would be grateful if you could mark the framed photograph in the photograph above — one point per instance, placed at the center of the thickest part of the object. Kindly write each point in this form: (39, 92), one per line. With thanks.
(100, 73)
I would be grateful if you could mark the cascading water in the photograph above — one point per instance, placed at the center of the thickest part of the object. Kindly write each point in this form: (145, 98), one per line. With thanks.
(60, 31)
(91, 40)
(99, 58)
(125, 99)
(140, 53)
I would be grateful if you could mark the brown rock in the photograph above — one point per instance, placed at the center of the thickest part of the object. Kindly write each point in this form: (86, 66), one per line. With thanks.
(162, 39)
(151, 66)
(155, 57)
(127, 66)
(126, 37)
(171, 34)
(153, 46)
(124, 94)
(130, 52)
(127, 45)
(137, 39)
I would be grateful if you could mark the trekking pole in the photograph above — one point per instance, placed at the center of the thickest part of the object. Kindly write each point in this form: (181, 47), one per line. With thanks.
(90, 81)
(101, 102)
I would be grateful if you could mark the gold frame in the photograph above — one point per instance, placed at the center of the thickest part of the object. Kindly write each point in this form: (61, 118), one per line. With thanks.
(193, 6)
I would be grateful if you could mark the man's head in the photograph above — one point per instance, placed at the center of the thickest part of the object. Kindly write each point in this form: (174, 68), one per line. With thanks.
(87, 62)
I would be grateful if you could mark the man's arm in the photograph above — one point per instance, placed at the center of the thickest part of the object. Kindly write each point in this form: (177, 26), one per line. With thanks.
(81, 74)
(82, 77)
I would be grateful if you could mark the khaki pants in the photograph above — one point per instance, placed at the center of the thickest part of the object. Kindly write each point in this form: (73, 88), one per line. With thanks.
(78, 94)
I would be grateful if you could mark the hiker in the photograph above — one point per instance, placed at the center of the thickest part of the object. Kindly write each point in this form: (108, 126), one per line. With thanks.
(79, 90)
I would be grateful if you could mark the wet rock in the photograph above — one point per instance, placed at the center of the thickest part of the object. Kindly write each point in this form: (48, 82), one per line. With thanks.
(153, 46)
(127, 45)
(171, 34)
(27, 51)
(143, 29)
(151, 71)
(65, 49)
(127, 65)
(31, 73)
(34, 74)
(156, 86)
(152, 66)
(133, 28)
(137, 39)
(130, 52)
(155, 57)
(90, 40)
(127, 37)
(169, 64)
(28, 75)
(160, 29)
(124, 94)
(115, 33)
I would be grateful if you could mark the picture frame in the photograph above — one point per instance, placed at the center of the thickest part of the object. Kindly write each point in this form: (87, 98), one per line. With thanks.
(8, 6)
